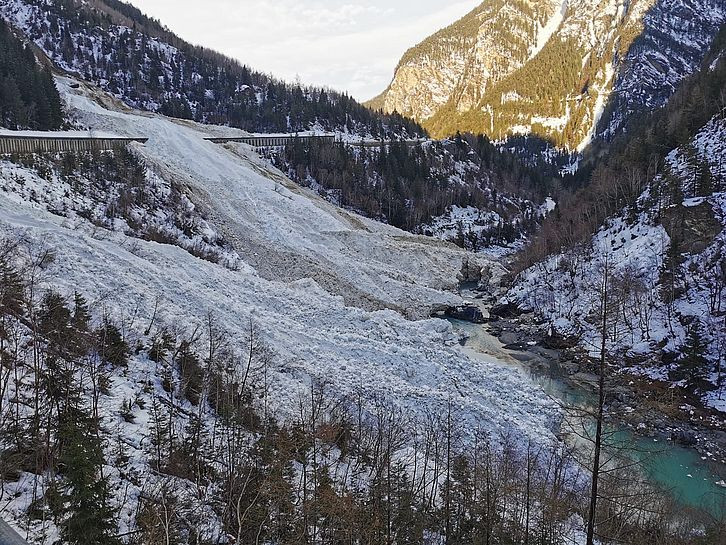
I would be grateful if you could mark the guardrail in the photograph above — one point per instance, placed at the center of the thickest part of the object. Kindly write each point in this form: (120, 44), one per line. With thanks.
(282, 140)
(25, 144)
(57, 144)
(379, 143)
(268, 141)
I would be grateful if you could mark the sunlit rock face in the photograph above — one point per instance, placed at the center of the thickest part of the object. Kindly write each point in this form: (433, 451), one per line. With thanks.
(565, 70)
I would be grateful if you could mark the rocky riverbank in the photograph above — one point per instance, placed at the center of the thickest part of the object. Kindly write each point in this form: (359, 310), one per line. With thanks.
(650, 408)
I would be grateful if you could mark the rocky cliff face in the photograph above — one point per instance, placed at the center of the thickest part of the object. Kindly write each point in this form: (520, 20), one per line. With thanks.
(676, 34)
(565, 70)
(459, 62)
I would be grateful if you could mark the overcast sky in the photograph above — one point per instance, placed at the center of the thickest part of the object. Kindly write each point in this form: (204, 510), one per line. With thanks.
(347, 45)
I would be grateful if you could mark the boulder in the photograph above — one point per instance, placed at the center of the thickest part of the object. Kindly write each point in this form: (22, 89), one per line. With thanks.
(483, 272)
(560, 336)
(470, 271)
(466, 313)
(685, 438)
(506, 310)
(517, 347)
(492, 276)
(557, 341)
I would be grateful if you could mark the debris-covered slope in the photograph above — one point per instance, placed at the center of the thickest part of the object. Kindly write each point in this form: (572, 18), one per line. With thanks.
(312, 282)
(277, 227)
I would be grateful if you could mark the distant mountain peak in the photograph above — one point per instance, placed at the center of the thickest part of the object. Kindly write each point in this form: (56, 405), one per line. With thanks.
(565, 70)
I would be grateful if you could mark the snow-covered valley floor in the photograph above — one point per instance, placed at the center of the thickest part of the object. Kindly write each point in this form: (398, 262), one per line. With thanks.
(331, 293)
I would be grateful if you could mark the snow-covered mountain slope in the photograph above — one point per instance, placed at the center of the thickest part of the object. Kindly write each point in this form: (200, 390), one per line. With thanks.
(666, 263)
(281, 230)
(565, 71)
(675, 36)
(316, 283)
(314, 278)
(316, 336)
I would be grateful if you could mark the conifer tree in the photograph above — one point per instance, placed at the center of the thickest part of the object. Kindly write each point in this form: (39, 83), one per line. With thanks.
(694, 366)
(87, 516)
(28, 95)
(112, 347)
(704, 180)
(11, 290)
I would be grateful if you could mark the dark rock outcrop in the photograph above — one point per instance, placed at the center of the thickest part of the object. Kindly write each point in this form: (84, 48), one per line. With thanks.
(557, 341)
(695, 227)
(506, 310)
(685, 438)
(467, 313)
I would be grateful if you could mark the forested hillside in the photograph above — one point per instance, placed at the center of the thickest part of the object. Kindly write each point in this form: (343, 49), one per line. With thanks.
(651, 219)
(567, 71)
(28, 96)
(417, 187)
(446, 65)
(615, 175)
(133, 57)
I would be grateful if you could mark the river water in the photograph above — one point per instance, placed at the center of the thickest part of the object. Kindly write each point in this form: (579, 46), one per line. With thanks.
(692, 481)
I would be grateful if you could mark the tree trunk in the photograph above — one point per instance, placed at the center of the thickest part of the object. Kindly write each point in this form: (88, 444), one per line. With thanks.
(599, 416)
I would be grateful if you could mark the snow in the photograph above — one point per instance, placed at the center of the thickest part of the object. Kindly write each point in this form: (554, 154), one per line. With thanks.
(546, 32)
(457, 222)
(316, 335)
(557, 123)
(155, 208)
(603, 93)
(57, 134)
(510, 96)
(674, 39)
(447, 226)
(693, 202)
(708, 144)
(548, 206)
(332, 295)
(520, 129)
(565, 288)
(327, 288)
(715, 62)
